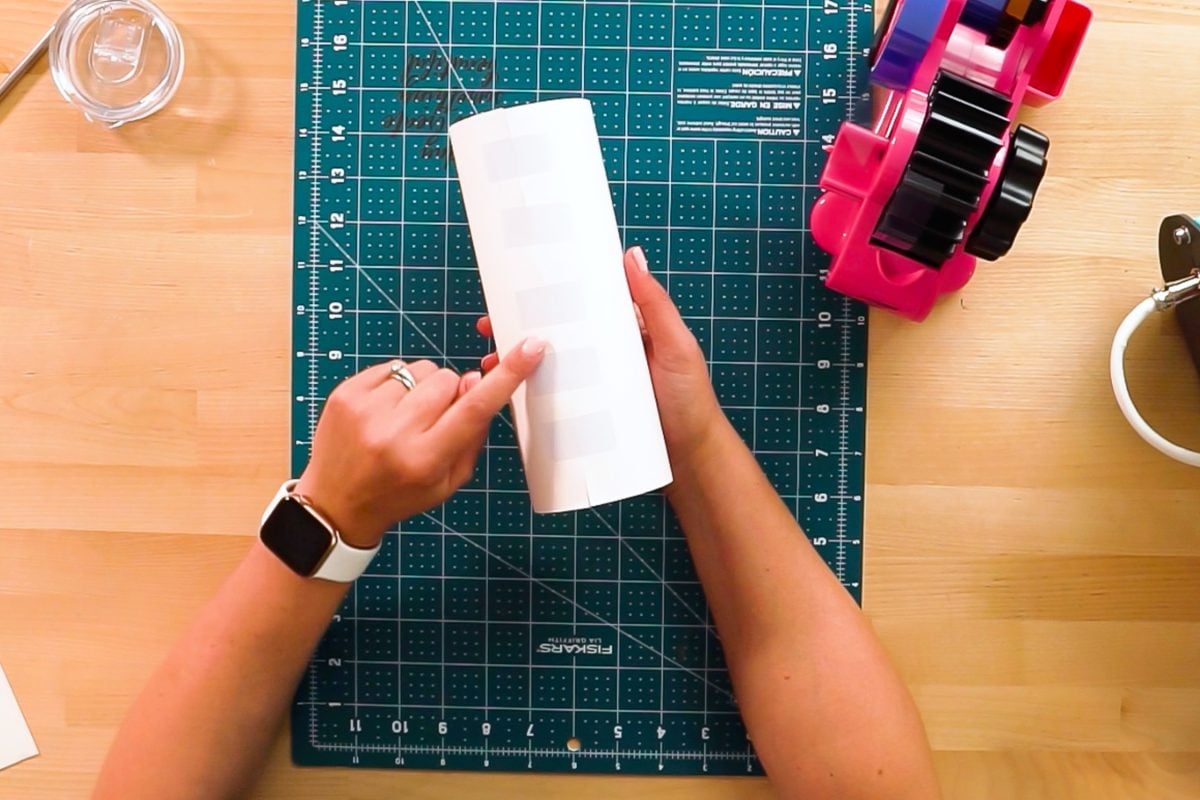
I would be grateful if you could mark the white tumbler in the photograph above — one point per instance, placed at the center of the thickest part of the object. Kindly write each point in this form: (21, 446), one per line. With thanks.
(550, 260)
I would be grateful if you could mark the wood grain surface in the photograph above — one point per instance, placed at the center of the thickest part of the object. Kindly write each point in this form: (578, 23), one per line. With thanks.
(1033, 567)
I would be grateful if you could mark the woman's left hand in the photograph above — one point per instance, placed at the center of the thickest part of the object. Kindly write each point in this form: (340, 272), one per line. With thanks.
(382, 453)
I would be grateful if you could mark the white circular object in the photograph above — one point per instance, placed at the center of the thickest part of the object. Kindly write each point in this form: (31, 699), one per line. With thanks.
(1116, 368)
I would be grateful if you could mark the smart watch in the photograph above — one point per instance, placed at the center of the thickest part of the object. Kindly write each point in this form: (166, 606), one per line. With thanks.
(303, 539)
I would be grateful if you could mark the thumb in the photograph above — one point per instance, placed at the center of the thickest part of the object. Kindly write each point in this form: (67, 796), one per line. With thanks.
(664, 325)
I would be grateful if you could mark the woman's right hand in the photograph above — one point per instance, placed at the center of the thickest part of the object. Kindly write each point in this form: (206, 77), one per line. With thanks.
(687, 403)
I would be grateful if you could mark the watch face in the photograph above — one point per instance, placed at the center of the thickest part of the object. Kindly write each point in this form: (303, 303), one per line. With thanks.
(296, 537)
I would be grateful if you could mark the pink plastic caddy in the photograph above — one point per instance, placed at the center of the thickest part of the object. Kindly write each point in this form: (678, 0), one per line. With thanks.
(943, 177)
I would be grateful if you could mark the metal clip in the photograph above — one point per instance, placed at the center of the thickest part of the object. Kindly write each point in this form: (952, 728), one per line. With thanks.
(1179, 258)
(1177, 292)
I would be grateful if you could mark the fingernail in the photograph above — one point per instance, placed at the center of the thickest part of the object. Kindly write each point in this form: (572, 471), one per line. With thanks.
(533, 346)
(639, 258)
(470, 380)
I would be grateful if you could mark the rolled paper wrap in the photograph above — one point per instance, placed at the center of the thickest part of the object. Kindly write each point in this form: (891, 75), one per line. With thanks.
(550, 260)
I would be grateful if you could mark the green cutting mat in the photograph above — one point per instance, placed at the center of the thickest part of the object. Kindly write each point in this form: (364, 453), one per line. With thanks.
(485, 637)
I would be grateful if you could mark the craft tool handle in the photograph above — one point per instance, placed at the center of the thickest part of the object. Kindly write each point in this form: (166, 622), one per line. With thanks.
(25, 64)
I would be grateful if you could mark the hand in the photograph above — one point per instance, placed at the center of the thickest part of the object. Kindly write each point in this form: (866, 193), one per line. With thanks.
(382, 453)
(687, 403)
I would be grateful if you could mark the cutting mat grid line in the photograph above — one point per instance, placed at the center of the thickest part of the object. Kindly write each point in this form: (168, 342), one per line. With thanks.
(484, 636)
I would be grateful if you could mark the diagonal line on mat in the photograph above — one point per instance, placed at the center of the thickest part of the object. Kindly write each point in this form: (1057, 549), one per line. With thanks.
(662, 580)
(382, 293)
(573, 602)
(505, 420)
(445, 55)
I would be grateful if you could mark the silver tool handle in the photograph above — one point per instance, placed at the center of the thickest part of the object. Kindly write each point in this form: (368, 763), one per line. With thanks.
(25, 64)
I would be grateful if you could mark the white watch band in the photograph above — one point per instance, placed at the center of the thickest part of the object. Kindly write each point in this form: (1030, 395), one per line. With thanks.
(343, 563)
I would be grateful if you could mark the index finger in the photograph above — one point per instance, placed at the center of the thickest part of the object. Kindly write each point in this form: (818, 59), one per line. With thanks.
(473, 412)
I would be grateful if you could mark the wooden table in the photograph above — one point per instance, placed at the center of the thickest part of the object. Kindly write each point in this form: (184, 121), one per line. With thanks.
(1032, 566)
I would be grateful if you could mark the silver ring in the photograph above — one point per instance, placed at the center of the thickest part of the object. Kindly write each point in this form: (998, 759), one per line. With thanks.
(400, 372)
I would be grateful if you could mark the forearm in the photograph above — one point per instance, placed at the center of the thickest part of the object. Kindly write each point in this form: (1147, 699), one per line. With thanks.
(204, 722)
(828, 714)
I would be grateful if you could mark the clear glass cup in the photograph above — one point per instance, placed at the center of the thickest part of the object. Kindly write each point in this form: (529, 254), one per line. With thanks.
(118, 61)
